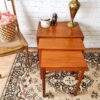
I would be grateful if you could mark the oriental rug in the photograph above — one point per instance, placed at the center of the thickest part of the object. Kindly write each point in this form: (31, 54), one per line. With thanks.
(23, 84)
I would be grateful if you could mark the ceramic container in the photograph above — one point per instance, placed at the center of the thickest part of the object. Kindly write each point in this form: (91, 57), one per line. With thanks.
(45, 23)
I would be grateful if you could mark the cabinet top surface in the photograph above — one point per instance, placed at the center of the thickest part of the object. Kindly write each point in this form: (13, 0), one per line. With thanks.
(60, 30)
(62, 59)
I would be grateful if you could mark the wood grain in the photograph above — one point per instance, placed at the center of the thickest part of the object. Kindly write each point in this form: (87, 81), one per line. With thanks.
(61, 44)
(60, 31)
(62, 59)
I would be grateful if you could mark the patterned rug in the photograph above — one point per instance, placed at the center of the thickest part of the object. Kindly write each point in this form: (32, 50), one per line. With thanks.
(23, 84)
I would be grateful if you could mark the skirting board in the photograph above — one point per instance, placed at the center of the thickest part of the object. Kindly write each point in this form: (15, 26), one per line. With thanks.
(87, 49)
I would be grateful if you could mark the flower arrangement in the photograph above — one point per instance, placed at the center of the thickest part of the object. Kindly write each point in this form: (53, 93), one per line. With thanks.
(6, 17)
(8, 25)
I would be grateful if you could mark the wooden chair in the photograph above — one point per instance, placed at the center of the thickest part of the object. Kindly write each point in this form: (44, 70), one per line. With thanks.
(19, 44)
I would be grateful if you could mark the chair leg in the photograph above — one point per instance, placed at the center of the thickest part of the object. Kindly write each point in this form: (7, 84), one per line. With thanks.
(0, 76)
(27, 58)
(43, 82)
(79, 82)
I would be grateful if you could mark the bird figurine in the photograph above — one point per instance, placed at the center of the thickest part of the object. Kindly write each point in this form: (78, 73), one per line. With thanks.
(54, 19)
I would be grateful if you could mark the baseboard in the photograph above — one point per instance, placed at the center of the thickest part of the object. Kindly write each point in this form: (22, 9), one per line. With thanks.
(93, 48)
(87, 49)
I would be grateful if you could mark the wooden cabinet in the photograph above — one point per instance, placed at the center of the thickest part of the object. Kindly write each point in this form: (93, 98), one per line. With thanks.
(60, 49)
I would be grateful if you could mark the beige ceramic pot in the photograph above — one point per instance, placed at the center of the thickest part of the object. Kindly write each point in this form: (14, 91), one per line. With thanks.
(45, 23)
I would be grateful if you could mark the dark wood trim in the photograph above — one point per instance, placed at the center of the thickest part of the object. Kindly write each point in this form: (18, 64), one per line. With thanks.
(35, 48)
(93, 48)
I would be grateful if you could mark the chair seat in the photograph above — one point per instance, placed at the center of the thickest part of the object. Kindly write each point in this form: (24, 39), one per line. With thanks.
(62, 60)
(12, 46)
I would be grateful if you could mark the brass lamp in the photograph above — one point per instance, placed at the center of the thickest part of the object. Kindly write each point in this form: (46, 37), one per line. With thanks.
(73, 6)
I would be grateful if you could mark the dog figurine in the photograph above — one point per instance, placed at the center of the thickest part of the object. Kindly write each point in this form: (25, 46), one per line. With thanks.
(54, 19)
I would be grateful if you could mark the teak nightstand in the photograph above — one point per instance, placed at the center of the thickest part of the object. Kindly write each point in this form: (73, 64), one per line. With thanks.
(60, 48)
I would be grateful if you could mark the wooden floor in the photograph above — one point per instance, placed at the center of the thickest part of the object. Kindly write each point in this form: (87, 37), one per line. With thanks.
(6, 64)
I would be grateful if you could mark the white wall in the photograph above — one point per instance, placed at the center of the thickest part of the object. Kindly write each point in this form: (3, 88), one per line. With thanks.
(30, 11)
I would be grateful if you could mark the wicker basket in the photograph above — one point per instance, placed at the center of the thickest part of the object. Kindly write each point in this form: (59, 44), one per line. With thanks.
(8, 31)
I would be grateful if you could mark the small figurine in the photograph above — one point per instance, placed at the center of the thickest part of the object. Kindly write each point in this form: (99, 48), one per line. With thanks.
(54, 19)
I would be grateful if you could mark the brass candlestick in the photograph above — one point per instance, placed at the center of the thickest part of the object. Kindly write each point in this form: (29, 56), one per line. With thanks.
(73, 6)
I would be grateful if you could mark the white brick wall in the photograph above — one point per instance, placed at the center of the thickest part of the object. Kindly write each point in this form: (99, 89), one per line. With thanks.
(30, 11)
